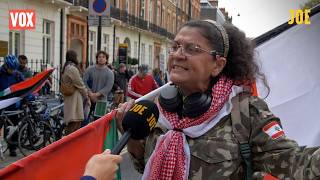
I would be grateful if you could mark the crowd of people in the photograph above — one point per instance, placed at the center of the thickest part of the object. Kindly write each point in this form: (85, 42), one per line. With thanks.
(82, 89)
(99, 84)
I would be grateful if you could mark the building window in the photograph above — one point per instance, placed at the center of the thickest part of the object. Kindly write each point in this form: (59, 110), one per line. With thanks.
(143, 53)
(150, 55)
(14, 43)
(150, 11)
(127, 6)
(142, 9)
(135, 49)
(92, 43)
(47, 41)
(118, 3)
(163, 23)
(158, 16)
(168, 23)
(105, 43)
(82, 31)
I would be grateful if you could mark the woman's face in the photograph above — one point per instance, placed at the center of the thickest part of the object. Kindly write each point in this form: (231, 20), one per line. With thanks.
(192, 72)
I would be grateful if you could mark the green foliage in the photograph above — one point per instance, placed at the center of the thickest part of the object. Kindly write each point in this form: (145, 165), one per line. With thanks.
(134, 61)
(310, 4)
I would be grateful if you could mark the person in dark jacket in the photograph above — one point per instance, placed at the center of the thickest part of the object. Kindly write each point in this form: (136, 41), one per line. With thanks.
(122, 77)
(9, 75)
(23, 61)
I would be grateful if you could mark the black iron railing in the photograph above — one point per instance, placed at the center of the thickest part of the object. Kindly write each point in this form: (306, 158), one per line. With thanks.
(131, 20)
(140, 23)
(83, 3)
(70, 1)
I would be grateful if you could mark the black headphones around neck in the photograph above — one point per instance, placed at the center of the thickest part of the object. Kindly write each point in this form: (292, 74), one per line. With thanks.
(191, 106)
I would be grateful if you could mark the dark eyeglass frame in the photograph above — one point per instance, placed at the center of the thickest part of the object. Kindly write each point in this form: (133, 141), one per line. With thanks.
(197, 49)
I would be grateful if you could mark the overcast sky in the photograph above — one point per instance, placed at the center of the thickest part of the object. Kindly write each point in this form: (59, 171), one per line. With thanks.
(259, 16)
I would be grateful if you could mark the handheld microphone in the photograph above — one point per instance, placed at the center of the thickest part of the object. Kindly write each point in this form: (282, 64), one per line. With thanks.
(137, 123)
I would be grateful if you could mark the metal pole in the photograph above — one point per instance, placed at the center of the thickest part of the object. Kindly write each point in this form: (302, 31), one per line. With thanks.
(114, 43)
(61, 37)
(99, 35)
(114, 35)
(189, 13)
(139, 39)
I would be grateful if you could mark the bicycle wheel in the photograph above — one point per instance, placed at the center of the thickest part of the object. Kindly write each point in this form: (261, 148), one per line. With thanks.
(9, 133)
(46, 134)
(58, 126)
(33, 137)
(3, 144)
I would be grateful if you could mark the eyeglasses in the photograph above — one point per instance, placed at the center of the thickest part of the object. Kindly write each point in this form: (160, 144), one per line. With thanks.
(189, 49)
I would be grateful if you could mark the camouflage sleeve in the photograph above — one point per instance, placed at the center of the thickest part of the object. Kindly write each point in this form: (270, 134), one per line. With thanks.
(149, 145)
(274, 153)
(138, 163)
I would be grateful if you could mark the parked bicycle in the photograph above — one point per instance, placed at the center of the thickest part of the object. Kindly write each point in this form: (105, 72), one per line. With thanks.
(9, 128)
(36, 131)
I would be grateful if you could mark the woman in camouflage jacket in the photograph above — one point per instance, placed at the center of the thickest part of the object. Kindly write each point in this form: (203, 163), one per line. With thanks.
(208, 60)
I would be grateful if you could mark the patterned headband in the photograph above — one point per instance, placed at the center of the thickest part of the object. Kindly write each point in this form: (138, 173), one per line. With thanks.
(224, 35)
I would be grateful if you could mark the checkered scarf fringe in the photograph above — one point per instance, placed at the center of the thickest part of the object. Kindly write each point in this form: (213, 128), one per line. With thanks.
(169, 160)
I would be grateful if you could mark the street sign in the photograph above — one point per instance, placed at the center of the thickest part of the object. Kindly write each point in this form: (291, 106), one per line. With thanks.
(99, 8)
(123, 53)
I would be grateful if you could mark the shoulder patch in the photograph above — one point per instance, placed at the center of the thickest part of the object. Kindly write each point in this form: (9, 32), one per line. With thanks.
(273, 129)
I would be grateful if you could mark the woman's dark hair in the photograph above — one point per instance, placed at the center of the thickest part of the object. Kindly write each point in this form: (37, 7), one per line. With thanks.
(71, 57)
(104, 53)
(241, 66)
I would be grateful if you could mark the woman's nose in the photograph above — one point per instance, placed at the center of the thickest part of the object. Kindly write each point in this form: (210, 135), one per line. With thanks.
(178, 54)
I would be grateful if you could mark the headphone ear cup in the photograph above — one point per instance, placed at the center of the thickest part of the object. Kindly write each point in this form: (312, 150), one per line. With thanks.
(196, 104)
(170, 99)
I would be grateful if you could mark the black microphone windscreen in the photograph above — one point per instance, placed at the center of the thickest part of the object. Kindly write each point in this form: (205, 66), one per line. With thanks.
(141, 119)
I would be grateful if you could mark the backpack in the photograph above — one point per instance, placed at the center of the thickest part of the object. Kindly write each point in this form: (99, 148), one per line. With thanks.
(241, 105)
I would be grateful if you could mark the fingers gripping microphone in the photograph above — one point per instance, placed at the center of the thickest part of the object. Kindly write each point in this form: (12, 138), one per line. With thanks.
(137, 123)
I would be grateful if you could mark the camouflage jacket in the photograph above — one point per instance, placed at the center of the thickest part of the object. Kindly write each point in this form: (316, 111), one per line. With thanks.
(216, 154)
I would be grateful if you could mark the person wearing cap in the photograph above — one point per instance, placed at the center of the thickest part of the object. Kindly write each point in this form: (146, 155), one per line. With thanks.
(121, 83)
(142, 83)
(9, 75)
(210, 125)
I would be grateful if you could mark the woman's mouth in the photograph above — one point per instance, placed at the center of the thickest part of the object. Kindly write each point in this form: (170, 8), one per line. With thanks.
(177, 67)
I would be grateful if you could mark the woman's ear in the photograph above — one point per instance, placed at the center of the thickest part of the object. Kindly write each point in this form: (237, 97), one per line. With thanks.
(220, 62)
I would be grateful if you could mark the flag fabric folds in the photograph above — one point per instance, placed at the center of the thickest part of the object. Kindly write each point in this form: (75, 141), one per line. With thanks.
(64, 159)
(16, 92)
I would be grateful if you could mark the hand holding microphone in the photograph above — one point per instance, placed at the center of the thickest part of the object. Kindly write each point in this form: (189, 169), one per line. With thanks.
(137, 123)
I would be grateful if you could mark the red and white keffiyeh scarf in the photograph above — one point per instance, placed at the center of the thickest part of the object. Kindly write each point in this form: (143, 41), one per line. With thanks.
(171, 157)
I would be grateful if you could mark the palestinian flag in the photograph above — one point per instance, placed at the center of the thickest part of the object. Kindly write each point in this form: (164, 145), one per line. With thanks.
(66, 158)
(20, 90)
